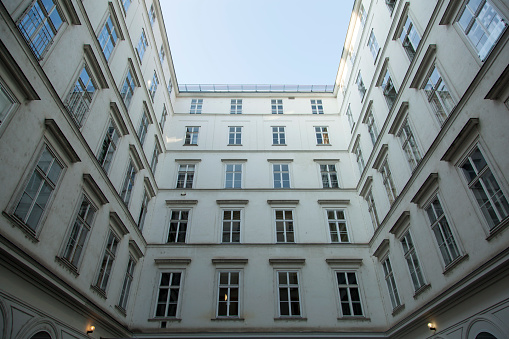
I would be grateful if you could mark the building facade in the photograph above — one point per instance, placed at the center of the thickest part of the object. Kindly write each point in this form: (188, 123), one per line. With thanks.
(376, 208)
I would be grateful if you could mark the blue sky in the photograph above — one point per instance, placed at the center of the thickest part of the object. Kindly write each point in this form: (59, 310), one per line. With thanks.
(294, 42)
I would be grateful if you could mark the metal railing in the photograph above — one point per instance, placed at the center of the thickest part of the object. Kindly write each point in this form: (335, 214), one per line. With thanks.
(78, 104)
(255, 88)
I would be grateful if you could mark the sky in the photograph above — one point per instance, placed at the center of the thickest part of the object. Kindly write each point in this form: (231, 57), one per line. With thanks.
(293, 42)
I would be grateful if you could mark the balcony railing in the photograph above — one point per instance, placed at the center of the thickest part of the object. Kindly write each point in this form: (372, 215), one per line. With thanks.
(255, 88)
(77, 105)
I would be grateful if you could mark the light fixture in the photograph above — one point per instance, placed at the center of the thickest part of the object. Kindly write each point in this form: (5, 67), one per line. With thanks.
(432, 327)
(91, 329)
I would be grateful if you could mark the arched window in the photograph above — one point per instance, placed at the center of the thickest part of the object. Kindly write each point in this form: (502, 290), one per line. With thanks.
(485, 335)
(41, 335)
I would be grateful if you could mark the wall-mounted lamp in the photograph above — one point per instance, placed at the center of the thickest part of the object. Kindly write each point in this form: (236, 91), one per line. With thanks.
(91, 329)
(432, 327)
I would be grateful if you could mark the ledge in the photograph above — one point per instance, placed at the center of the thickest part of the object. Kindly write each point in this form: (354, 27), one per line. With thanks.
(366, 187)
(118, 118)
(121, 310)
(181, 202)
(17, 75)
(334, 202)
(280, 160)
(429, 184)
(30, 233)
(291, 319)
(67, 265)
(398, 309)
(232, 202)
(499, 228)
(172, 261)
(422, 70)
(454, 263)
(340, 262)
(115, 218)
(56, 132)
(283, 202)
(100, 292)
(147, 111)
(94, 188)
(500, 86)
(287, 261)
(368, 108)
(326, 160)
(241, 261)
(383, 70)
(354, 318)
(164, 319)
(381, 156)
(458, 143)
(136, 157)
(187, 161)
(149, 187)
(382, 249)
(227, 319)
(398, 119)
(421, 290)
(402, 20)
(94, 65)
(114, 18)
(450, 12)
(136, 79)
(135, 249)
(400, 223)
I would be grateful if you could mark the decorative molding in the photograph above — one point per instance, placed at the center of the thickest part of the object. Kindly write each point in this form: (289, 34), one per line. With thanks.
(94, 65)
(326, 160)
(136, 157)
(382, 249)
(366, 187)
(450, 12)
(381, 156)
(280, 160)
(147, 111)
(94, 188)
(69, 8)
(368, 108)
(114, 17)
(334, 202)
(232, 202)
(231, 261)
(344, 262)
(187, 161)
(282, 202)
(234, 160)
(172, 261)
(116, 221)
(158, 143)
(500, 86)
(135, 75)
(459, 142)
(149, 187)
(287, 261)
(135, 249)
(356, 142)
(56, 132)
(16, 74)
(399, 118)
(181, 202)
(383, 70)
(402, 21)
(399, 225)
(422, 70)
(117, 116)
(429, 184)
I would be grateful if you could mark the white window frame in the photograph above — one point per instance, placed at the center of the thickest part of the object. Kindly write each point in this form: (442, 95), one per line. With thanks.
(359, 158)
(109, 145)
(360, 86)
(327, 175)
(179, 223)
(155, 158)
(128, 87)
(350, 117)
(281, 181)
(337, 234)
(348, 286)
(322, 135)
(235, 173)
(278, 135)
(234, 135)
(191, 137)
(371, 125)
(127, 283)
(142, 45)
(228, 224)
(107, 264)
(288, 225)
(184, 169)
(80, 96)
(164, 115)
(128, 183)
(412, 260)
(409, 144)
(10, 103)
(169, 287)
(388, 87)
(373, 45)
(108, 37)
(153, 86)
(387, 180)
(143, 211)
(236, 106)
(288, 286)
(390, 281)
(409, 37)
(196, 106)
(143, 127)
(442, 109)
(277, 106)
(370, 200)
(316, 106)
(229, 286)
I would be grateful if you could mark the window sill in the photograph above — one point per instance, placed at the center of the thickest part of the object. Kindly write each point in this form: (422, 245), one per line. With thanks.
(454, 263)
(30, 234)
(67, 265)
(121, 310)
(291, 319)
(498, 229)
(227, 319)
(398, 309)
(164, 319)
(279, 145)
(421, 289)
(234, 145)
(100, 292)
(323, 145)
(354, 318)
(190, 145)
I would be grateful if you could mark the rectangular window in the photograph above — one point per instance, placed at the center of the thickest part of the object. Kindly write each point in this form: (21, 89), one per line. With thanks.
(388, 182)
(107, 262)
(388, 90)
(284, 226)
(126, 286)
(390, 5)
(143, 211)
(80, 231)
(142, 45)
(228, 294)
(6, 103)
(152, 15)
(153, 86)
(391, 283)
(231, 226)
(191, 136)
(38, 190)
(169, 293)
(485, 188)
(126, 4)
(155, 159)
(236, 106)
(278, 135)
(127, 187)
(109, 146)
(372, 209)
(178, 226)
(412, 261)
(108, 38)
(370, 123)
(316, 106)
(322, 135)
(288, 291)
(79, 99)
(170, 86)
(281, 175)
(235, 135)
(337, 226)
(277, 106)
(350, 117)
(329, 176)
(185, 176)
(373, 45)
(142, 130)
(442, 231)
(39, 26)
(438, 95)
(482, 24)
(349, 295)
(127, 89)
(161, 54)
(360, 86)
(410, 38)
(362, 15)
(359, 158)
(233, 176)
(409, 145)
(196, 106)
(164, 115)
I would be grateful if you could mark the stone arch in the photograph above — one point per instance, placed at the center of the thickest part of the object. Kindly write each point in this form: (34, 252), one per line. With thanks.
(486, 328)
(39, 329)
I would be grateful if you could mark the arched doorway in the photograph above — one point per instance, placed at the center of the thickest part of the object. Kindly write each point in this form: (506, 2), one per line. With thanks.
(41, 335)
